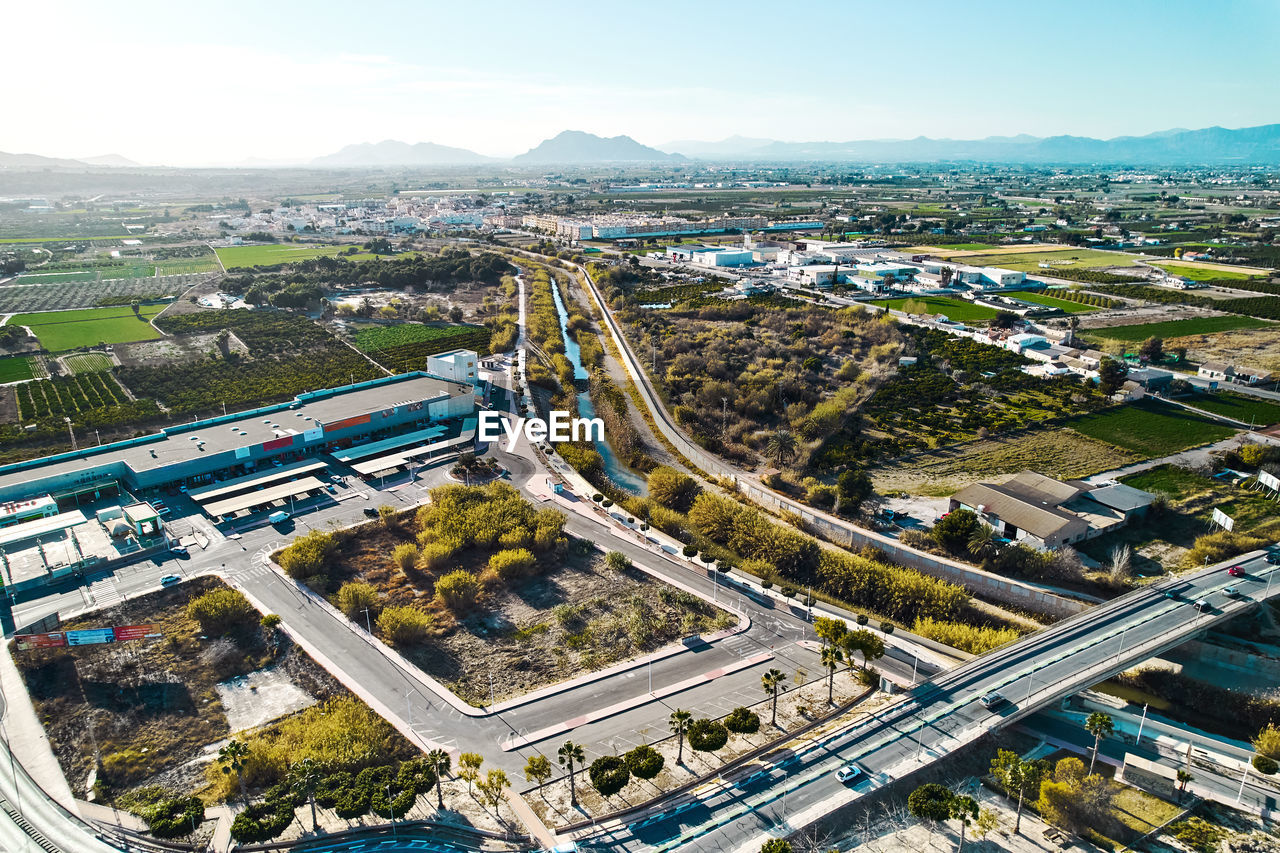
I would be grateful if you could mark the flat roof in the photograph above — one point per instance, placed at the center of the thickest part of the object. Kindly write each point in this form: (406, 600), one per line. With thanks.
(41, 527)
(397, 441)
(373, 467)
(179, 444)
(252, 499)
(257, 478)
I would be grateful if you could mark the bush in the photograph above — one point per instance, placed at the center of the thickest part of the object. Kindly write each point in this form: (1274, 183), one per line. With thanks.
(707, 735)
(617, 561)
(1268, 742)
(513, 563)
(1264, 765)
(308, 554)
(270, 622)
(644, 761)
(355, 596)
(973, 639)
(262, 821)
(672, 489)
(689, 551)
(742, 721)
(404, 556)
(333, 788)
(609, 775)
(954, 530)
(175, 817)
(404, 625)
(458, 590)
(220, 611)
(434, 555)
(1223, 545)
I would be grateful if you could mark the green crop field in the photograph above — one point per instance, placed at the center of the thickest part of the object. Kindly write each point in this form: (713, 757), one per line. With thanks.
(954, 309)
(1053, 302)
(236, 257)
(1030, 261)
(59, 331)
(406, 347)
(15, 368)
(1177, 328)
(187, 266)
(1246, 409)
(1198, 274)
(1150, 428)
(88, 362)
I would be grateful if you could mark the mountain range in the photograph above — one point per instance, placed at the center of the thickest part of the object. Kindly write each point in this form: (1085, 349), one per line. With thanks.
(392, 153)
(36, 161)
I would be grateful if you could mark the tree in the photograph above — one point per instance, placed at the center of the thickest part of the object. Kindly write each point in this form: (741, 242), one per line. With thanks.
(930, 802)
(963, 809)
(781, 446)
(829, 630)
(776, 845)
(672, 489)
(568, 754)
(1019, 778)
(1099, 725)
(954, 530)
(1111, 375)
(440, 761)
(772, 682)
(988, 822)
(1152, 349)
(303, 778)
(492, 786)
(537, 767)
(232, 758)
(679, 722)
(983, 544)
(742, 721)
(707, 735)
(644, 761)
(1184, 778)
(608, 775)
(469, 768)
(832, 657)
(865, 643)
(355, 596)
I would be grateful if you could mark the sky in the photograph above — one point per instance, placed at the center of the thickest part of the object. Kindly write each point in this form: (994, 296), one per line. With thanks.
(203, 83)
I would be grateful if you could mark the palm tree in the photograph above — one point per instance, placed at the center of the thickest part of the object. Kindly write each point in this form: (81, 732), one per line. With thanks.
(232, 757)
(569, 753)
(304, 776)
(1183, 778)
(781, 446)
(963, 809)
(832, 657)
(1099, 725)
(771, 681)
(440, 761)
(679, 722)
(982, 542)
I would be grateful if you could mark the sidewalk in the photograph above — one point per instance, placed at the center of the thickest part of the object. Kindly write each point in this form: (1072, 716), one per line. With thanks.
(26, 736)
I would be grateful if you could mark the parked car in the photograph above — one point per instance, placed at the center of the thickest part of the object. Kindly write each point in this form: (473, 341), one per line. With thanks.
(994, 701)
(848, 773)
(170, 580)
(1236, 571)
(1274, 558)
(179, 550)
(278, 517)
(370, 512)
(1231, 592)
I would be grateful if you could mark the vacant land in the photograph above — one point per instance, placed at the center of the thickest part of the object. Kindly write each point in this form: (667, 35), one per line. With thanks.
(236, 257)
(1053, 302)
(15, 368)
(1178, 328)
(59, 331)
(1258, 348)
(1238, 406)
(1029, 261)
(954, 309)
(1207, 269)
(88, 362)
(1150, 429)
(1059, 453)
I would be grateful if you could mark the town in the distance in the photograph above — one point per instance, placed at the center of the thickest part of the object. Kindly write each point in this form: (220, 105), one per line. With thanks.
(583, 490)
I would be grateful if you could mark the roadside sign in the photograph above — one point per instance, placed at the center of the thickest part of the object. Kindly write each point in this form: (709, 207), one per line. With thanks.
(1271, 481)
(52, 640)
(124, 633)
(91, 636)
(1222, 519)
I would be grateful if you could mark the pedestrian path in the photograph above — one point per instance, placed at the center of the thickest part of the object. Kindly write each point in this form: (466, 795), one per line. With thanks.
(103, 592)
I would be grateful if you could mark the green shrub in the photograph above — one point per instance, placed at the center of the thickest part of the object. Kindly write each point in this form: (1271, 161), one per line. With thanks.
(308, 554)
(175, 817)
(617, 561)
(1264, 765)
(742, 721)
(644, 761)
(262, 821)
(355, 596)
(404, 625)
(458, 590)
(220, 611)
(404, 556)
(974, 639)
(513, 563)
(608, 774)
(707, 735)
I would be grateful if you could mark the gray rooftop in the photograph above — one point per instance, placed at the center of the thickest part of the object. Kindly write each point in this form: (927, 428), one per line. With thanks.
(1121, 498)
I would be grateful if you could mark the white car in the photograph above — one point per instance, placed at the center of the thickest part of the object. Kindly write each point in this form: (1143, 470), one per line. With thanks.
(848, 773)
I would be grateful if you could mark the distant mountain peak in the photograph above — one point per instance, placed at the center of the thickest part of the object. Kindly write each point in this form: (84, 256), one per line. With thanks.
(578, 146)
(391, 152)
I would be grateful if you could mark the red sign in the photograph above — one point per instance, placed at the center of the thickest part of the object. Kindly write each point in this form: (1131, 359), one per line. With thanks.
(134, 632)
(347, 422)
(277, 443)
(26, 642)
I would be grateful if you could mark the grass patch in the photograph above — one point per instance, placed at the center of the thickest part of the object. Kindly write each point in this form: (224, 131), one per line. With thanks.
(1053, 302)
(240, 257)
(59, 331)
(1069, 258)
(955, 309)
(1238, 406)
(1150, 429)
(406, 347)
(15, 368)
(1200, 274)
(1176, 328)
(88, 362)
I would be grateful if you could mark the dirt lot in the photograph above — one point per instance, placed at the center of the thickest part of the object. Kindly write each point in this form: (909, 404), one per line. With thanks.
(575, 618)
(1257, 348)
(1060, 453)
(174, 350)
(149, 708)
(1146, 314)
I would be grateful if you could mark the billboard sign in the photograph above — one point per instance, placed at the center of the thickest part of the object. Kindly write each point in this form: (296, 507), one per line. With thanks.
(124, 633)
(90, 636)
(1222, 519)
(1271, 481)
(52, 640)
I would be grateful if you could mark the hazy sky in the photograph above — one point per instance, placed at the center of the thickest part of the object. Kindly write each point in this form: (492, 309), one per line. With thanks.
(188, 83)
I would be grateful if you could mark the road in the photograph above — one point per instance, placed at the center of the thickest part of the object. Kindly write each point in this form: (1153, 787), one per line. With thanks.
(946, 713)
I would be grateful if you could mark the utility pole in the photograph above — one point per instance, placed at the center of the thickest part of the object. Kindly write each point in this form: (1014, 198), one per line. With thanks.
(71, 432)
(368, 626)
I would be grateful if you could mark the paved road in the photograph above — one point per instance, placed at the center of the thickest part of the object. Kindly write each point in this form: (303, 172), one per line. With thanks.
(945, 713)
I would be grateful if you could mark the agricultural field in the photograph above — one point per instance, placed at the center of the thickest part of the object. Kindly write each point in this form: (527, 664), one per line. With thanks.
(247, 257)
(1029, 261)
(88, 362)
(15, 368)
(1198, 273)
(1257, 348)
(1150, 429)
(1177, 328)
(187, 266)
(1052, 302)
(65, 330)
(1238, 406)
(96, 395)
(87, 294)
(954, 309)
(406, 347)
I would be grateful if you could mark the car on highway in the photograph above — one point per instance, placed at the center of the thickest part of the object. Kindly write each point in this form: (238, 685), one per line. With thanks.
(1201, 604)
(1231, 592)
(994, 701)
(179, 551)
(1236, 571)
(278, 517)
(170, 580)
(848, 773)
(1274, 558)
